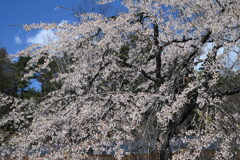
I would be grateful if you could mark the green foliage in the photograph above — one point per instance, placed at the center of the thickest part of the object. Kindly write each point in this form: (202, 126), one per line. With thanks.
(11, 77)
(19, 70)
(6, 76)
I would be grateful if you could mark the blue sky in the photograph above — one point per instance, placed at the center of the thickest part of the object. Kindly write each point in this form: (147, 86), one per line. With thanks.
(20, 12)
(14, 13)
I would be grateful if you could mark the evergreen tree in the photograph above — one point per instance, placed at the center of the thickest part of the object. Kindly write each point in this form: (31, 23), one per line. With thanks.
(19, 70)
(6, 74)
(11, 77)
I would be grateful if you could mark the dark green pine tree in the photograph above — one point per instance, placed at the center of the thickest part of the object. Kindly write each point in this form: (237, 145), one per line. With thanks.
(24, 91)
(6, 74)
(11, 74)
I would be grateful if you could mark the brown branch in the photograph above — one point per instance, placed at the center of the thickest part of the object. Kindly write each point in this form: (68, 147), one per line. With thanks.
(177, 41)
(148, 76)
(98, 31)
(96, 75)
(203, 41)
(184, 113)
(220, 5)
(226, 93)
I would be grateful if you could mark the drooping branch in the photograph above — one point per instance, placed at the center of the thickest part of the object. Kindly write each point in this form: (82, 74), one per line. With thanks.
(231, 118)
(89, 38)
(96, 75)
(225, 93)
(231, 92)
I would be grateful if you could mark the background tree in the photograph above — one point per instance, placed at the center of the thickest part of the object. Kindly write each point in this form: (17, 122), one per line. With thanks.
(47, 76)
(11, 77)
(136, 77)
(21, 86)
(6, 77)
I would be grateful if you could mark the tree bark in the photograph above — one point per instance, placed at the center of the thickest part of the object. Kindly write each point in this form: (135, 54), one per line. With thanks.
(157, 51)
(164, 146)
(163, 140)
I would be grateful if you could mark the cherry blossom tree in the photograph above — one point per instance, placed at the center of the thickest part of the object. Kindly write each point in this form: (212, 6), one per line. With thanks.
(147, 77)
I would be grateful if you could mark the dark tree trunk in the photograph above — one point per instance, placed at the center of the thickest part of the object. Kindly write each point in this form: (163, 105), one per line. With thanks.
(157, 51)
(163, 140)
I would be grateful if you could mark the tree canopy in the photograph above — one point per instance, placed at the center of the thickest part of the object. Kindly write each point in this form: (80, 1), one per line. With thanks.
(147, 79)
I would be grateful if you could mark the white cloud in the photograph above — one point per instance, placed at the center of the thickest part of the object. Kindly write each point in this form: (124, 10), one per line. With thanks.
(42, 37)
(63, 22)
(45, 36)
(18, 40)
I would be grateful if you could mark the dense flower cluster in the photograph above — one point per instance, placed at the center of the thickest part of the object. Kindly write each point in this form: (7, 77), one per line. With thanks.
(133, 78)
